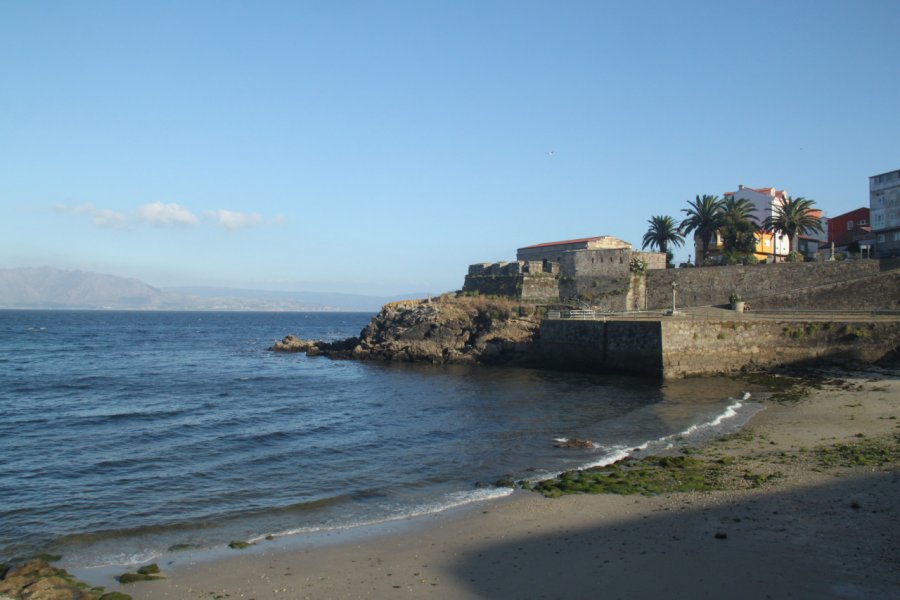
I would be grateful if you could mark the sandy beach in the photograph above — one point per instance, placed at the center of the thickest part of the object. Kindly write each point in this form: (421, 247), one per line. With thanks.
(792, 527)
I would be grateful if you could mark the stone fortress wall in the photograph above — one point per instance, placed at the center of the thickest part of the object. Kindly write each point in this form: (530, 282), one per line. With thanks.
(838, 285)
(603, 278)
(595, 273)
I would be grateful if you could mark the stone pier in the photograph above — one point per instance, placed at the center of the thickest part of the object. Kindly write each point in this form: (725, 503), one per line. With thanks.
(672, 347)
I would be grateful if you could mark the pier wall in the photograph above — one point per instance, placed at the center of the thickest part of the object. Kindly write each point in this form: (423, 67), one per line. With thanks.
(682, 347)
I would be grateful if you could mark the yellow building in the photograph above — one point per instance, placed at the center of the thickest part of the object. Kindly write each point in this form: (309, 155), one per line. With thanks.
(762, 251)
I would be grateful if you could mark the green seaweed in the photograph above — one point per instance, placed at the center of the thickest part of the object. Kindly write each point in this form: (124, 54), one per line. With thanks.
(648, 476)
(50, 558)
(134, 577)
(758, 479)
(151, 569)
(868, 452)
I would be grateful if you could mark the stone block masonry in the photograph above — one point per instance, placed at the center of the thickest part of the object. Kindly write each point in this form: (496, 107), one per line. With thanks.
(704, 347)
(839, 285)
(603, 279)
(531, 281)
(679, 347)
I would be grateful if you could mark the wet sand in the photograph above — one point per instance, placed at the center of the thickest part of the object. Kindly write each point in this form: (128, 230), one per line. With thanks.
(806, 531)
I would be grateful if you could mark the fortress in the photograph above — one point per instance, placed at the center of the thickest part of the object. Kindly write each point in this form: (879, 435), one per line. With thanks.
(603, 270)
(609, 275)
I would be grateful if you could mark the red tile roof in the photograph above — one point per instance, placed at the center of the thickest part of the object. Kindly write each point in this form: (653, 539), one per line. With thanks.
(578, 241)
(767, 191)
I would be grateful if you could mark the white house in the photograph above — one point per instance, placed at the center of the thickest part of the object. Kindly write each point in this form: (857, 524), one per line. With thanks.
(764, 201)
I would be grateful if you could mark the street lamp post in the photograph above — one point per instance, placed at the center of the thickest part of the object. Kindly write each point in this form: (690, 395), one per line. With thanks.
(674, 287)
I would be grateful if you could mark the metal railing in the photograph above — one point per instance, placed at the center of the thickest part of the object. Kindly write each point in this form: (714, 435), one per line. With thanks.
(574, 314)
(719, 312)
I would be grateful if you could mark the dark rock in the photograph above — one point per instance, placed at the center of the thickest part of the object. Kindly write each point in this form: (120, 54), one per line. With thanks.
(721, 535)
(151, 569)
(574, 443)
(36, 567)
(37, 580)
(51, 588)
(446, 330)
(48, 557)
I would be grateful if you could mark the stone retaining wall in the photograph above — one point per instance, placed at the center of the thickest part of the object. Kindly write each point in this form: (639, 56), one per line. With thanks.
(839, 285)
(705, 347)
(680, 347)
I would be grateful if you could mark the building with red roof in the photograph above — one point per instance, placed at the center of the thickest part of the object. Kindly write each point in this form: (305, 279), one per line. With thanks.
(553, 251)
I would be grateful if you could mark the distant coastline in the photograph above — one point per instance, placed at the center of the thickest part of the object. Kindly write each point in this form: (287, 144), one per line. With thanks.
(46, 288)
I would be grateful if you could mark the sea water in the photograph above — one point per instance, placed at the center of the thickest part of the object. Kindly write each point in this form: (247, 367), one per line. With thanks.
(126, 435)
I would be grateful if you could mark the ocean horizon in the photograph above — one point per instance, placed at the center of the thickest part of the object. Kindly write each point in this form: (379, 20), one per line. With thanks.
(129, 435)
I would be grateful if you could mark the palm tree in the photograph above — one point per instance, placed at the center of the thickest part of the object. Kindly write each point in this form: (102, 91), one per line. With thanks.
(703, 219)
(792, 218)
(738, 225)
(662, 232)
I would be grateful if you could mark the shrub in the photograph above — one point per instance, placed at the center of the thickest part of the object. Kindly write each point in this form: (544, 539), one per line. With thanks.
(637, 266)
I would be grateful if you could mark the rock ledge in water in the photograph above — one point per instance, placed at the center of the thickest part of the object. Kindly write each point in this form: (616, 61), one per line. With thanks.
(449, 329)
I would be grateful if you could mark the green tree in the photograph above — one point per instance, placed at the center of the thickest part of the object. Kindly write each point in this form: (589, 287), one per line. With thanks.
(792, 218)
(703, 219)
(662, 232)
(738, 226)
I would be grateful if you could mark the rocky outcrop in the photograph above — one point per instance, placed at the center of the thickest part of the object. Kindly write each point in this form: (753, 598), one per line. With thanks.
(37, 580)
(448, 329)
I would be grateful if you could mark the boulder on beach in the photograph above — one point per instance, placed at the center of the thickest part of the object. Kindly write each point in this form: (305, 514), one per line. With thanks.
(37, 580)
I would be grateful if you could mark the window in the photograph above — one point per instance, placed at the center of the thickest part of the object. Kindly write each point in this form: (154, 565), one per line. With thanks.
(897, 236)
(861, 222)
(880, 238)
(849, 225)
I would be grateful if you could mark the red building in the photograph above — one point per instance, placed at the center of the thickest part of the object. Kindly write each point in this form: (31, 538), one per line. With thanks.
(853, 226)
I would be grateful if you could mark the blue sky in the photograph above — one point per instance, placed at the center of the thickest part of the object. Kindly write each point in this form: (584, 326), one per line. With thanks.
(381, 147)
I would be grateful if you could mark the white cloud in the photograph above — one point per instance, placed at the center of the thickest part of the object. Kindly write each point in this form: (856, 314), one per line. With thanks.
(109, 219)
(230, 219)
(84, 209)
(100, 217)
(158, 213)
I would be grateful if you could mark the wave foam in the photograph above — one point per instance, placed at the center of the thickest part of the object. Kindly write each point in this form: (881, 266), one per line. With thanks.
(453, 500)
(616, 453)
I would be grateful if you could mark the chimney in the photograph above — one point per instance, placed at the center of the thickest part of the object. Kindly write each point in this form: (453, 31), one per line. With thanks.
(740, 186)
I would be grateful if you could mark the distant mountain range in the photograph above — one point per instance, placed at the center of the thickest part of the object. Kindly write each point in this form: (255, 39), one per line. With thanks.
(49, 288)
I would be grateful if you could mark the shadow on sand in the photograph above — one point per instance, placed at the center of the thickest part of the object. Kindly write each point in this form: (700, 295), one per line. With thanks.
(837, 540)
